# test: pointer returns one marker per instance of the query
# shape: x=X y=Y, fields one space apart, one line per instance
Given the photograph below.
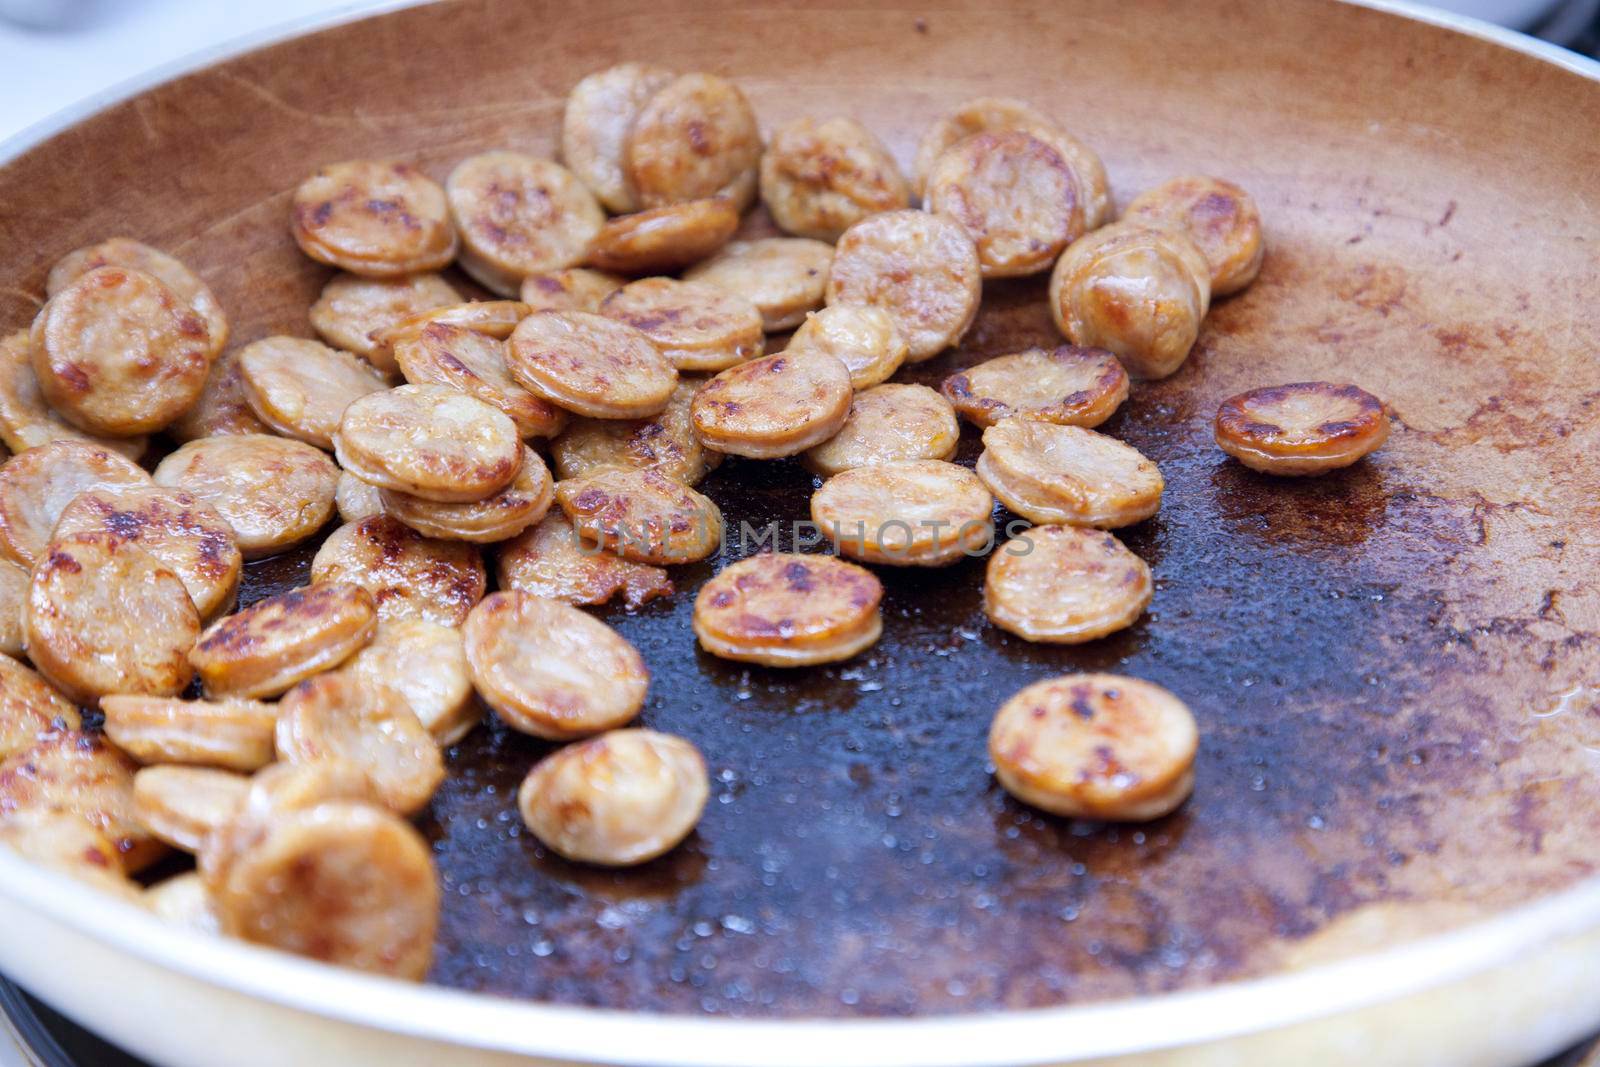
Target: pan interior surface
x=1395 y=667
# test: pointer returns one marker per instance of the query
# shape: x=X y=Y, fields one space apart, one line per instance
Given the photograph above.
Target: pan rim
x=1053 y=1034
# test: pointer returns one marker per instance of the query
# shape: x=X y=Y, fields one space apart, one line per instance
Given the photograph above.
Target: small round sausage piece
x=1219 y=217
x=496 y=518
x=430 y=441
x=300 y=388
x=921 y=513
x=276 y=642
x=474 y=363
x=665 y=443
x=133 y=255
x=820 y=178
x=231 y=734
x=784 y=277
x=37 y=485
x=991 y=114
x=221 y=407
x=889 y=424
x=1139 y=292
x=642 y=515
x=105 y=616
x=409 y=576
x=864 y=339
x=774 y=406
x=1301 y=428
x=118 y=353
x=694 y=138
x=786 y=610
x=922 y=269
x=572 y=289
x=181 y=805
x=1065 y=585
x=425 y=663
x=695 y=325
x=376 y=219
x=30 y=707
x=619 y=799
x=1014 y=195
x=82 y=775
x=1096 y=746
x=63 y=842
x=1065 y=474
x=26 y=421
x=183 y=901
x=343 y=716
x=590 y=365
x=345 y=883
x=664 y=238
x=551 y=560
x=184 y=534
x=518 y=214
x=549 y=670
x=274 y=492
x=1070 y=385
x=600 y=112
x=356 y=500
x=353 y=310
x=494 y=318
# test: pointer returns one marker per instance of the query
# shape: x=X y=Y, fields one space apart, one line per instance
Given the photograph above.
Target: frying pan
x=1395 y=667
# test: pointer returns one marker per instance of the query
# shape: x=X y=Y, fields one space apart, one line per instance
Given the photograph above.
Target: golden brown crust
x=1050 y=474
x=474 y=362
x=917 y=513
x=344 y=716
x=376 y=219
x=1219 y=217
x=231 y=734
x=694 y=138
x=888 y=424
x=788 y=610
x=774 y=406
x=1016 y=197
x=695 y=325
x=1096 y=746
x=664 y=238
x=83 y=775
x=184 y=534
x=517 y=214
x=426 y=663
x=642 y=515
x=666 y=442
x=620 y=799
x=352 y=311
x=273 y=492
x=572 y=289
x=26 y=421
x=551 y=560
x=181 y=806
x=590 y=365
x=600 y=112
x=1065 y=585
x=784 y=277
x=63 y=842
x=170 y=271
x=1068 y=384
x=1140 y=293
x=408 y=575
x=30 y=707
x=431 y=441
x=864 y=339
x=505 y=514
x=819 y=178
x=549 y=670
x=922 y=269
x=1301 y=428
x=118 y=353
x=274 y=643
x=105 y=616
x=37 y=485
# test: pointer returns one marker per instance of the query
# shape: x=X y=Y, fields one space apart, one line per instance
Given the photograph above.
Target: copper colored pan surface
x=1394 y=667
